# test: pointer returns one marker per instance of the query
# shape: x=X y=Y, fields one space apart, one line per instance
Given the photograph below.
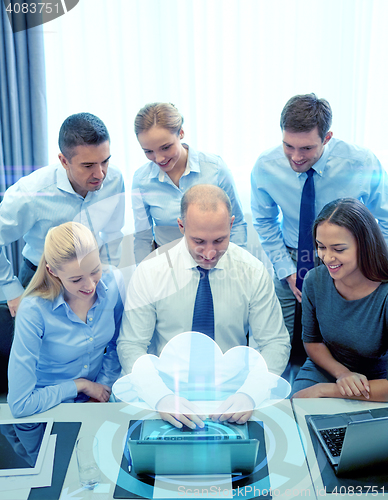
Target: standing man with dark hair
x=286 y=200
x=80 y=188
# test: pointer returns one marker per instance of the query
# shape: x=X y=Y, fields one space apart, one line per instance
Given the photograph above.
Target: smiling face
x=207 y=233
x=303 y=149
x=337 y=248
x=88 y=167
x=80 y=278
x=164 y=148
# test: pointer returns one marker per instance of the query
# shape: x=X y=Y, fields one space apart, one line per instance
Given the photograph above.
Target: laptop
x=353 y=441
x=157 y=447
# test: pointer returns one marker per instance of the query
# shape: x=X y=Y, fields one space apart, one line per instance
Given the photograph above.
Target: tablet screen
x=23 y=445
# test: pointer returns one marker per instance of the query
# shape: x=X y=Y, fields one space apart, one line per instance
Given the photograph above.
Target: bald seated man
x=162 y=295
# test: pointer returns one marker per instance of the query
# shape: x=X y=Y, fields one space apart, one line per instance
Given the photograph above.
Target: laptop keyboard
x=334 y=439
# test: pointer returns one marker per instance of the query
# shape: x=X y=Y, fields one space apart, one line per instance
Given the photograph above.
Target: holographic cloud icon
x=192 y=366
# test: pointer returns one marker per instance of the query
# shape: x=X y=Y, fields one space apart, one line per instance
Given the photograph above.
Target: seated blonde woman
x=64 y=349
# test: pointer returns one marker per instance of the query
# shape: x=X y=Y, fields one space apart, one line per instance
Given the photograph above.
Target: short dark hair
x=79 y=130
x=207 y=196
x=302 y=113
x=372 y=250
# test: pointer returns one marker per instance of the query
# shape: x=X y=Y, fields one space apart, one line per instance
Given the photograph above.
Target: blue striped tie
x=306 y=221
x=203 y=315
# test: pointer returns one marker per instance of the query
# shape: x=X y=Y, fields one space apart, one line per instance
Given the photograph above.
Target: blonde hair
x=63 y=244
x=160 y=114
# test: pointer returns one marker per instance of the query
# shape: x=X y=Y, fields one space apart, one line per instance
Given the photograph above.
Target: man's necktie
x=201 y=369
x=306 y=221
x=203 y=316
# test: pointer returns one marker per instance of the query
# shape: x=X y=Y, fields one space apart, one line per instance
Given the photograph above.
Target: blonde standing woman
x=64 y=349
x=174 y=167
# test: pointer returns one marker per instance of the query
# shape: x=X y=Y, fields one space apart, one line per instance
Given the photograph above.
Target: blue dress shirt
x=343 y=171
x=156 y=200
x=52 y=347
x=45 y=199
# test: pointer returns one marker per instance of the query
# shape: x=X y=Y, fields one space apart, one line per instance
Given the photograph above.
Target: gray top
x=355 y=331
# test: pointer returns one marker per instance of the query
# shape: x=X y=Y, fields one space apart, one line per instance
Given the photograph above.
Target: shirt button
x=91 y=339
x=90 y=319
x=85 y=366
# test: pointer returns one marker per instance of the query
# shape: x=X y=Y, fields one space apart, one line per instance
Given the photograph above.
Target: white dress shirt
x=160 y=304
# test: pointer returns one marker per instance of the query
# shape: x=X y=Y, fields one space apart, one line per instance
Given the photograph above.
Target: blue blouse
x=52 y=347
x=156 y=200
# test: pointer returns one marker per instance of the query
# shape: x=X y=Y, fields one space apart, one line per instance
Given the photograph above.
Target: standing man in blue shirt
x=79 y=188
x=339 y=170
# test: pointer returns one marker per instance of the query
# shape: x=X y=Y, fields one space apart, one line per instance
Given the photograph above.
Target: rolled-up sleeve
x=24 y=398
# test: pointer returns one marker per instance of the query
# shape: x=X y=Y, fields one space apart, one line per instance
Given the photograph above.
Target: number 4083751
x=33 y=8
x=358 y=490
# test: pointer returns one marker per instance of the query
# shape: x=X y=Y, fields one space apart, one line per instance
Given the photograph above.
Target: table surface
x=303 y=407
x=288 y=471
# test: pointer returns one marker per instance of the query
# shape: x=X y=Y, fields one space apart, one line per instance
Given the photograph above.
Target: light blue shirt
x=52 y=347
x=156 y=200
x=343 y=171
x=45 y=199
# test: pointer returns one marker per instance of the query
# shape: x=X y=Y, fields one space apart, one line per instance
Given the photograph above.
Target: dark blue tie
x=201 y=371
x=306 y=221
x=203 y=315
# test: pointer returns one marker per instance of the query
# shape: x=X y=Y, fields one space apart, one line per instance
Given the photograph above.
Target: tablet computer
x=157 y=447
x=23 y=445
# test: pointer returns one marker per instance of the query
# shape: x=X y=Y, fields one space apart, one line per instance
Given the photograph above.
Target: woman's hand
x=353 y=384
x=96 y=392
x=349 y=383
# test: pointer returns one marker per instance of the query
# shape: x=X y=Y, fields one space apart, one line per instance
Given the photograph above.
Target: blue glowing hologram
x=192 y=366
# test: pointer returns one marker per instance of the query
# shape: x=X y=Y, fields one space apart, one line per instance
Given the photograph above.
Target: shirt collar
x=193 y=159
x=100 y=291
x=191 y=166
x=63 y=182
x=320 y=165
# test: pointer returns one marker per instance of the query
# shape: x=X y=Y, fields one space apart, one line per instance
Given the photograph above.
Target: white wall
x=229 y=66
